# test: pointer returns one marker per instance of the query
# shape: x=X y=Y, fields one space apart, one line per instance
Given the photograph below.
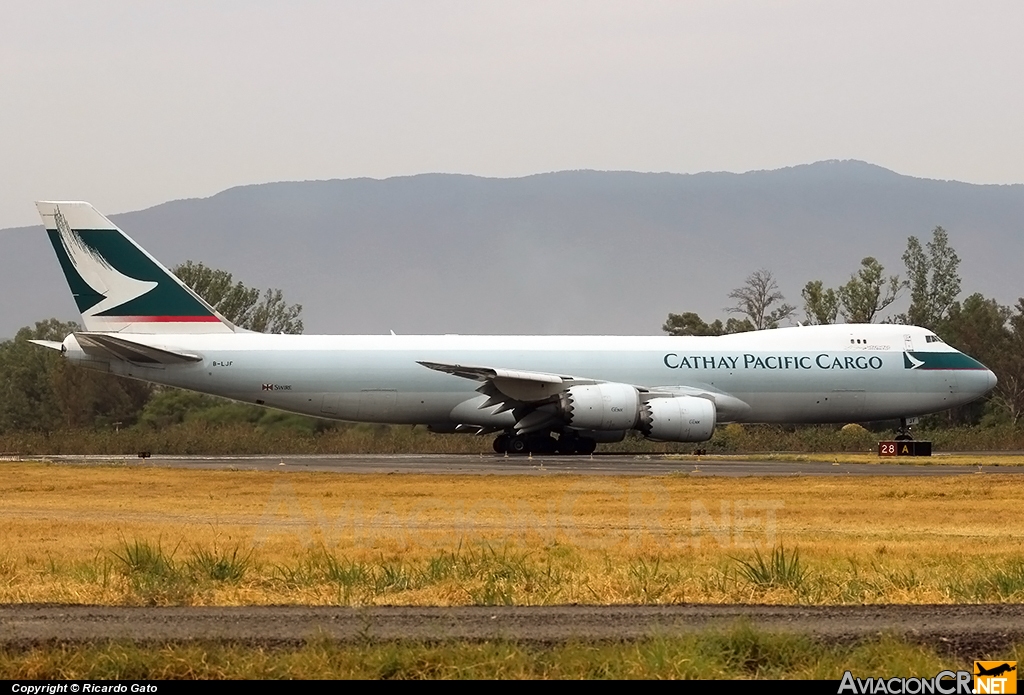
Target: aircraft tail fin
x=117 y=285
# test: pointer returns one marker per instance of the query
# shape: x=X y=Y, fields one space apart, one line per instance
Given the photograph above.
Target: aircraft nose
x=978 y=381
x=991 y=380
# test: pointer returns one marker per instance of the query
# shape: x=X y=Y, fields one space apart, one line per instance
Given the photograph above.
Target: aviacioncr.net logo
x=943 y=683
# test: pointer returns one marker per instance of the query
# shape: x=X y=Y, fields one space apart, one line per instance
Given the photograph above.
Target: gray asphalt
x=967 y=629
x=603 y=464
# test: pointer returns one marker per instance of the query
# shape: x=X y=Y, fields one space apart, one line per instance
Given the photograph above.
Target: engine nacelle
x=680 y=419
x=601 y=407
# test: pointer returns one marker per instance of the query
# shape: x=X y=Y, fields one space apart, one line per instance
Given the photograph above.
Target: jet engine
x=679 y=419
x=601 y=407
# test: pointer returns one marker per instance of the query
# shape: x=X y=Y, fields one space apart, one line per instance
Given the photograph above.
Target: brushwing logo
x=115 y=287
x=995 y=677
x=911 y=362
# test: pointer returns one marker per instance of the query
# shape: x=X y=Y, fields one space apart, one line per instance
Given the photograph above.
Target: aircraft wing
x=105 y=346
x=511 y=387
x=533 y=396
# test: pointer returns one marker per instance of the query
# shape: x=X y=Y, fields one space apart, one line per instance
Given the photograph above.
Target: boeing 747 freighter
x=536 y=393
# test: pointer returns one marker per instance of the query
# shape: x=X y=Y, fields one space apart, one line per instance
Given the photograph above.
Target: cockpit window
x=932 y=339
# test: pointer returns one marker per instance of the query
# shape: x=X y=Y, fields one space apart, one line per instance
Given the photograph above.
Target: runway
x=971 y=629
x=602 y=464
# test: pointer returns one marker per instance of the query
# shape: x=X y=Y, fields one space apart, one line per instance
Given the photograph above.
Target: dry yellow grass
x=443 y=540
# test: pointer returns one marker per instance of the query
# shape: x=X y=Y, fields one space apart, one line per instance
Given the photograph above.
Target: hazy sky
x=129 y=104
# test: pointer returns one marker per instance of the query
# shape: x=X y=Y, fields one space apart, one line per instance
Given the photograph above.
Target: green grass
x=155 y=577
x=775 y=571
x=1002 y=583
x=738 y=653
x=220 y=564
x=143 y=558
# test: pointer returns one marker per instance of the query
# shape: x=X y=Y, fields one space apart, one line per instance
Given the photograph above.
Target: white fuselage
x=811 y=374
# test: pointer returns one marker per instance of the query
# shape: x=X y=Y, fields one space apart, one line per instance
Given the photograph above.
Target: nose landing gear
x=903 y=432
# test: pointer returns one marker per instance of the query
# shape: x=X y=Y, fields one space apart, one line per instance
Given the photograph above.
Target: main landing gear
x=543 y=443
x=903 y=432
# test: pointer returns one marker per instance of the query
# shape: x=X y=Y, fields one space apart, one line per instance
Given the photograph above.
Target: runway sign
x=909 y=448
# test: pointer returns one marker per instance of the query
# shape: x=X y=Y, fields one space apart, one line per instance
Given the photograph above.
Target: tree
x=933 y=279
x=26 y=395
x=867 y=293
x=820 y=304
x=738 y=326
x=272 y=315
x=42 y=392
x=1010 y=390
x=689 y=323
x=755 y=299
x=979 y=328
x=243 y=306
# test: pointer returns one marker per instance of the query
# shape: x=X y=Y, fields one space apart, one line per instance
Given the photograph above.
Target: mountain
x=564 y=252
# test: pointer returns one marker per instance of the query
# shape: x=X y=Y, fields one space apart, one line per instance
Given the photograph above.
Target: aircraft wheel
x=586 y=445
x=542 y=444
x=501 y=444
x=518 y=445
x=566 y=445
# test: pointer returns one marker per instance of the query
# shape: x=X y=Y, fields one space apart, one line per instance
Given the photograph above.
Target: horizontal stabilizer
x=105 y=346
x=52 y=344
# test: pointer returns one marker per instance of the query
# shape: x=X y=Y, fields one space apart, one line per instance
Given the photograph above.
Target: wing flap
x=107 y=346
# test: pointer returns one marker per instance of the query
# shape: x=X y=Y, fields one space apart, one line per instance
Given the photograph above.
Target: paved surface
x=967 y=629
x=603 y=464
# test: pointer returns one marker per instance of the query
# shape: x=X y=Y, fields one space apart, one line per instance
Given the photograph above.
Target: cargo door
x=377 y=405
x=846 y=405
x=331 y=404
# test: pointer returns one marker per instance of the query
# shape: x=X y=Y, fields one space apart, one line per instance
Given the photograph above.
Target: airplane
x=994 y=671
x=143 y=322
